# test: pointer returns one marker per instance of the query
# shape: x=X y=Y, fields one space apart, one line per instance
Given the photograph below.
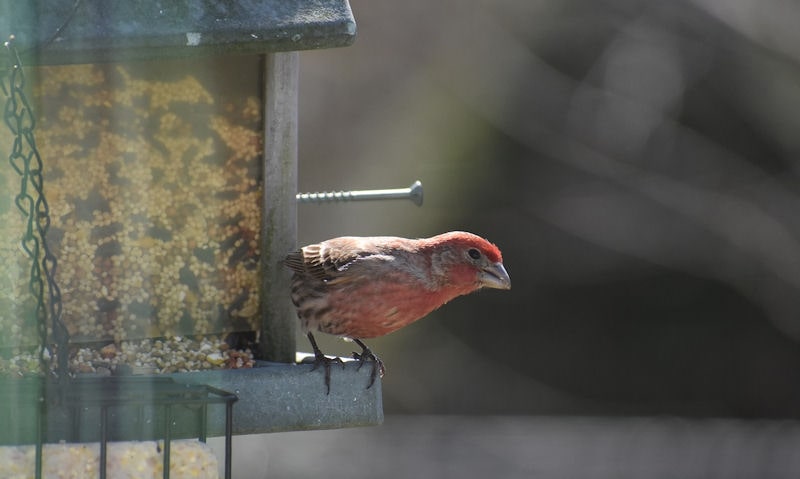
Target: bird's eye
x=474 y=253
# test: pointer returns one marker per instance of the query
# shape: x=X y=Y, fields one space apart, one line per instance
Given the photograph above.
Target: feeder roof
x=94 y=31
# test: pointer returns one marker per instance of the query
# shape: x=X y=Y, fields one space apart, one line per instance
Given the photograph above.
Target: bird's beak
x=495 y=276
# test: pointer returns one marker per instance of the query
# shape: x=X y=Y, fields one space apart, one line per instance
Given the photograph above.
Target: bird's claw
x=377 y=366
x=326 y=362
x=366 y=354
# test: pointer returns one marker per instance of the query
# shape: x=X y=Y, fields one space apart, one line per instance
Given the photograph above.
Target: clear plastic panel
x=153 y=176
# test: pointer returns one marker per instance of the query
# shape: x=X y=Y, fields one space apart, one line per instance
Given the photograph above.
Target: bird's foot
x=325 y=361
x=366 y=354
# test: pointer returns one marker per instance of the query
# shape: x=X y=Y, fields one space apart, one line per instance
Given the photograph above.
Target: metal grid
x=114 y=409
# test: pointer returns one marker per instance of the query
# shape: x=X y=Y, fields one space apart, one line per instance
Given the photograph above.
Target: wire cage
x=83 y=409
x=105 y=411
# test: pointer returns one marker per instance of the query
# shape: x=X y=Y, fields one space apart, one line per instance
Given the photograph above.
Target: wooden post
x=279 y=221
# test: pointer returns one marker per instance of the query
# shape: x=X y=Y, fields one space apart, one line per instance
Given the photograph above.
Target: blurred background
x=637 y=163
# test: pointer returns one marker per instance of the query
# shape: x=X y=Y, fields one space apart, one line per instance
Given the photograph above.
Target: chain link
x=27 y=162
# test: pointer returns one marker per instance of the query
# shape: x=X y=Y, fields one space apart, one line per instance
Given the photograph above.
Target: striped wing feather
x=320 y=264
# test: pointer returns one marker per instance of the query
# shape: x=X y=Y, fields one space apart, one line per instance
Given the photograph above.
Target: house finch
x=365 y=287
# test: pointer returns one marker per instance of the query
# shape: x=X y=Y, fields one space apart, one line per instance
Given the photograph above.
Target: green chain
x=27 y=162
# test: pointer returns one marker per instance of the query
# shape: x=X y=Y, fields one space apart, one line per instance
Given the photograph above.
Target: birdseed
x=131 y=459
x=154 y=185
x=146 y=356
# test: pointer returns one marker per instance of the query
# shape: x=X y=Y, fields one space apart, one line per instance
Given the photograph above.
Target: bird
x=366 y=287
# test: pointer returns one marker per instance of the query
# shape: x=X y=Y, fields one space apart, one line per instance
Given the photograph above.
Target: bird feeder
x=147 y=202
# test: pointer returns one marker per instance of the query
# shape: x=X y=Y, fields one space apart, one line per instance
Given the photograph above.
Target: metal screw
x=413 y=193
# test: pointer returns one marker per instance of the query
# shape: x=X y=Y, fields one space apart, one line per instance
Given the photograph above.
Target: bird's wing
x=324 y=264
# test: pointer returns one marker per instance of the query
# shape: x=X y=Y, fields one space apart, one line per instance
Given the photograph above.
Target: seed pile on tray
x=135 y=460
x=154 y=188
x=146 y=356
